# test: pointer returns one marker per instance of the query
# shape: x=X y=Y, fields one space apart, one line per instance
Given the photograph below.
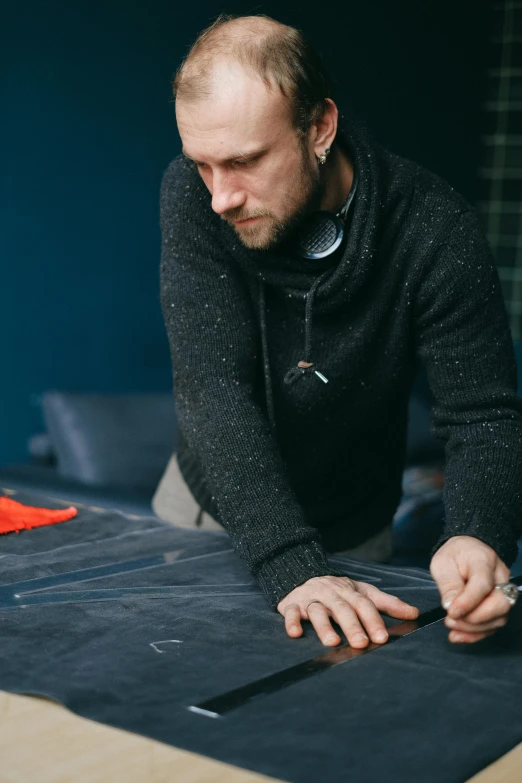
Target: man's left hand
x=466 y=571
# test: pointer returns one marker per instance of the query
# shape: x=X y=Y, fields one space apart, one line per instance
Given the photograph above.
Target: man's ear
x=325 y=129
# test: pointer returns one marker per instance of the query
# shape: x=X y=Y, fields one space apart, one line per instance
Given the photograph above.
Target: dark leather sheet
x=417 y=709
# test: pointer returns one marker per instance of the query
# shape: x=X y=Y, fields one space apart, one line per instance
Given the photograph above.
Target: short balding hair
x=276 y=52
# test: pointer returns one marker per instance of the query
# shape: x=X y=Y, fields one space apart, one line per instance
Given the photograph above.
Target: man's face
x=262 y=178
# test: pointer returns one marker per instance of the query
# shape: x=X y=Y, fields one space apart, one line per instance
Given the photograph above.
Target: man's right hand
x=353 y=605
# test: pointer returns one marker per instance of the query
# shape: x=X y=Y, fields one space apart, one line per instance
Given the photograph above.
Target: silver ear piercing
x=322 y=158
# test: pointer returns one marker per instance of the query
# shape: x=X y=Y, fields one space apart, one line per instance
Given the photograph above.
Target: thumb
x=448 y=579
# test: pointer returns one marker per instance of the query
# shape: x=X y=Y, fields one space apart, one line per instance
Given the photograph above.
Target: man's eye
x=249 y=162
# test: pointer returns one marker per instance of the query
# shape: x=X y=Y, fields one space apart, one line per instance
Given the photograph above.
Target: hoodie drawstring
x=304 y=366
x=266 y=365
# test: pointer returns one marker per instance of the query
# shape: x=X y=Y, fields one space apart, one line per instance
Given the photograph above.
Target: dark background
x=88 y=128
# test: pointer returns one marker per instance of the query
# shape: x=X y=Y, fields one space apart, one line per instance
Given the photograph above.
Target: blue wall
x=88 y=128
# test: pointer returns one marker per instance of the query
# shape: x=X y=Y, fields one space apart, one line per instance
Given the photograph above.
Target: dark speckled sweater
x=294 y=467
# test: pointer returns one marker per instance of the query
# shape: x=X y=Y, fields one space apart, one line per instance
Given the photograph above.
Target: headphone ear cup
x=322 y=232
x=319 y=235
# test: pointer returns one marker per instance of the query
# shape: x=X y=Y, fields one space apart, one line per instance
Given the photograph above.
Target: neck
x=338 y=179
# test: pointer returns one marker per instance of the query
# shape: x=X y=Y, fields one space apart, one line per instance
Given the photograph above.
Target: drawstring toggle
x=297 y=372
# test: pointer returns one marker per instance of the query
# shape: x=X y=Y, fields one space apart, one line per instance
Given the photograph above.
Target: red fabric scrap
x=15 y=516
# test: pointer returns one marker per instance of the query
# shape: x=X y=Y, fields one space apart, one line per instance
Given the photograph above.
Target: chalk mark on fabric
x=165 y=641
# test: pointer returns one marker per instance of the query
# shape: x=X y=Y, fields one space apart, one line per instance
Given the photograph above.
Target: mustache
x=237 y=214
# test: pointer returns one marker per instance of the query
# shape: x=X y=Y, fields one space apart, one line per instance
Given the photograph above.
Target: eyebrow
x=237 y=156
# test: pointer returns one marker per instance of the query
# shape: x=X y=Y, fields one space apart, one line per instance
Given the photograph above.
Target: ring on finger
x=510 y=590
x=315 y=601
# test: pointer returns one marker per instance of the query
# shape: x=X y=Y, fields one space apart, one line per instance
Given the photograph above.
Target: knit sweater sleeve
x=464 y=340
x=214 y=346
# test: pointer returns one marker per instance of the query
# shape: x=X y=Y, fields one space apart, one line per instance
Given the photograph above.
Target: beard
x=305 y=196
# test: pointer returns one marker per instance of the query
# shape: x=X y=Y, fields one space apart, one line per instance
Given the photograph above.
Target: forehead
x=240 y=114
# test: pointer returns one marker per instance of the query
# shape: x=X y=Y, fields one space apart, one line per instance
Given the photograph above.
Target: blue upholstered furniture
x=99 y=449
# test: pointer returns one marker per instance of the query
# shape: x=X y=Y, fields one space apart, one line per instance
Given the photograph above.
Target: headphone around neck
x=322 y=232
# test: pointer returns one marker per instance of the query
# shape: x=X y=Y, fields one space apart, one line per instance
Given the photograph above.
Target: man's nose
x=226 y=195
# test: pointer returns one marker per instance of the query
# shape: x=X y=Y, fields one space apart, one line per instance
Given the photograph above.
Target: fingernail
x=360 y=637
x=331 y=638
x=457 y=637
x=448 y=598
x=381 y=636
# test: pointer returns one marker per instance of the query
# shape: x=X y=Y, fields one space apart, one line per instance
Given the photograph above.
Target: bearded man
x=293 y=368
